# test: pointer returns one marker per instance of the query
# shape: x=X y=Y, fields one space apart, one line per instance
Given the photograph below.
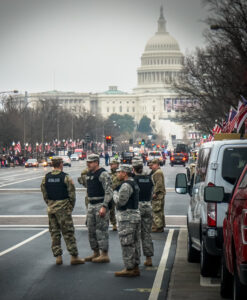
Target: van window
x=234 y=160
x=202 y=164
x=243 y=184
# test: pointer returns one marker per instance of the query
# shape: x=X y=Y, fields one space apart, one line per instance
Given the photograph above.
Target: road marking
x=23 y=242
x=35 y=216
x=3 y=227
x=21 y=181
x=161 y=269
x=31 y=190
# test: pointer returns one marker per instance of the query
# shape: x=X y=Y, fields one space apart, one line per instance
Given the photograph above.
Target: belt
x=96 y=201
x=144 y=200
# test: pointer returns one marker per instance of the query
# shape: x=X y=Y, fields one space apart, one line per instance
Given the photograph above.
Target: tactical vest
x=55 y=187
x=134 y=198
x=94 y=186
x=145 y=184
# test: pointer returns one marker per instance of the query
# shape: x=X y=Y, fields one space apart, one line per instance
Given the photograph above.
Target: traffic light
x=131 y=141
x=204 y=136
x=143 y=142
x=108 y=139
x=87 y=138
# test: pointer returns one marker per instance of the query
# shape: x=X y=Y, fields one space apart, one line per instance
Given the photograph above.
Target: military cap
x=136 y=162
x=155 y=161
x=125 y=168
x=92 y=157
x=56 y=159
x=114 y=161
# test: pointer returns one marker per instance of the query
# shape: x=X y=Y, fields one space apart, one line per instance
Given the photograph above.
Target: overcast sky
x=86 y=45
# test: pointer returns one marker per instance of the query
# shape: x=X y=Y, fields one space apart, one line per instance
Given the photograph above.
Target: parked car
x=74 y=157
x=234 y=258
x=156 y=154
x=178 y=159
x=31 y=162
x=219 y=164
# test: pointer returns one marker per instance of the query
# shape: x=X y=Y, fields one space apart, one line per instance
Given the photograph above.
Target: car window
x=202 y=164
x=243 y=183
x=154 y=154
x=234 y=161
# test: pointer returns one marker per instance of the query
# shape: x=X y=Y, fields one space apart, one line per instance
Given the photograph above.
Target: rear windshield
x=234 y=160
x=154 y=154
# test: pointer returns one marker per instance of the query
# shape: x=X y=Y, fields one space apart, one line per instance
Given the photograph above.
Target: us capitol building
x=161 y=65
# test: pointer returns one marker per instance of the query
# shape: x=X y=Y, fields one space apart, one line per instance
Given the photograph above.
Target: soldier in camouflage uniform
x=114 y=164
x=145 y=184
x=158 y=199
x=129 y=222
x=59 y=194
x=99 y=196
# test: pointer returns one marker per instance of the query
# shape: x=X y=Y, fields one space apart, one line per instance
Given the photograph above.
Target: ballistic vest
x=55 y=187
x=94 y=186
x=134 y=198
x=145 y=184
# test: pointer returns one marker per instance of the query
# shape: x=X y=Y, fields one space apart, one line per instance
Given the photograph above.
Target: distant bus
x=182 y=148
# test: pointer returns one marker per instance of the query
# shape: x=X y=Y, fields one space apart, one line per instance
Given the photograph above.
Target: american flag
x=242 y=114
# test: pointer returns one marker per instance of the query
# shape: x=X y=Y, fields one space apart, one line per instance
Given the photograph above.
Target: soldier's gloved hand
x=154 y=196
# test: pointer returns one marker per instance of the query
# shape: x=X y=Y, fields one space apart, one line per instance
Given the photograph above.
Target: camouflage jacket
x=105 y=179
x=121 y=198
x=67 y=204
x=115 y=181
x=82 y=179
x=159 y=182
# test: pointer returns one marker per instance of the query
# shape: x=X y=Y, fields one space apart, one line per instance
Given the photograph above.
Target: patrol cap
x=56 y=159
x=125 y=168
x=114 y=161
x=155 y=161
x=92 y=157
x=137 y=162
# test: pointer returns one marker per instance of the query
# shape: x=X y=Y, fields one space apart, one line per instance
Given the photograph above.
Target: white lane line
x=12 y=183
x=161 y=269
x=209 y=282
x=12 y=227
x=34 y=190
x=23 y=242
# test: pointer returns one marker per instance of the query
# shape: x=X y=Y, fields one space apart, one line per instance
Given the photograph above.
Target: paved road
x=26 y=259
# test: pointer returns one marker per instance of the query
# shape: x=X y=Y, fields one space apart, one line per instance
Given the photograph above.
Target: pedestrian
x=59 y=194
x=107 y=157
x=145 y=185
x=83 y=181
x=100 y=194
x=158 y=198
x=129 y=222
x=114 y=164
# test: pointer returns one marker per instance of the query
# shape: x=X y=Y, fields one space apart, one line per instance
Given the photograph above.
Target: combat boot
x=148 y=262
x=127 y=273
x=137 y=270
x=59 y=260
x=76 y=260
x=103 y=258
x=95 y=254
x=114 y=227
x=154 y=230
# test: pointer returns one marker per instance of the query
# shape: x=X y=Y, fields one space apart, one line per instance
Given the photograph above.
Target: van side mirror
x=181 y=186
x=214 y=194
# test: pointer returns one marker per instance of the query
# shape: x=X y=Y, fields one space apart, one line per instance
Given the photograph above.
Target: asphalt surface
x=28 y=269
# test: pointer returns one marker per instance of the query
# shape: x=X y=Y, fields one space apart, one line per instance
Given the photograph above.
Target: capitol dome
x=161 y=62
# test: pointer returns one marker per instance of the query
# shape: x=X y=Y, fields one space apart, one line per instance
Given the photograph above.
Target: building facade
x=154 y=97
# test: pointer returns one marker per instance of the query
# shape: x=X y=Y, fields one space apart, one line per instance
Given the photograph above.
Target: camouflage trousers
x=158 y=205
x=97 y=228
x=62 y=222
x=113 y=219
x=129 y=235
x=146 y=227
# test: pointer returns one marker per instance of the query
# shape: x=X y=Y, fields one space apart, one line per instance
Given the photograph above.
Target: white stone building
x=161 y=65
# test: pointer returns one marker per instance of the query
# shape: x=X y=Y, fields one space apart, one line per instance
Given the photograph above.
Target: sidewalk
x=185 y=277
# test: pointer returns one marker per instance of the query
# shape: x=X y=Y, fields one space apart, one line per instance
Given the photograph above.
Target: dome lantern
x=161 y=22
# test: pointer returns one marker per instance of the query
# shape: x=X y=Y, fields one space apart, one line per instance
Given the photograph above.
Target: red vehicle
x=234 y=258
x=82 y=154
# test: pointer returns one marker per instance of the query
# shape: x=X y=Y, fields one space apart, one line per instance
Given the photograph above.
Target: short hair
x=56 y=163
x=138 y=169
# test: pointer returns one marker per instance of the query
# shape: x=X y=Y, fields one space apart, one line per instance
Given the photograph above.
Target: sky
x=86 y=45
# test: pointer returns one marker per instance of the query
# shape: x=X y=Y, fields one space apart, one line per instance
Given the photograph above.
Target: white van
x=219 y=163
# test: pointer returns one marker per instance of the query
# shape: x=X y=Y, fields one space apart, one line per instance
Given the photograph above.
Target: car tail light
x=172 y=158
x=211 y=184
x=212 y=214
x=184 y=159
x=244 y=226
